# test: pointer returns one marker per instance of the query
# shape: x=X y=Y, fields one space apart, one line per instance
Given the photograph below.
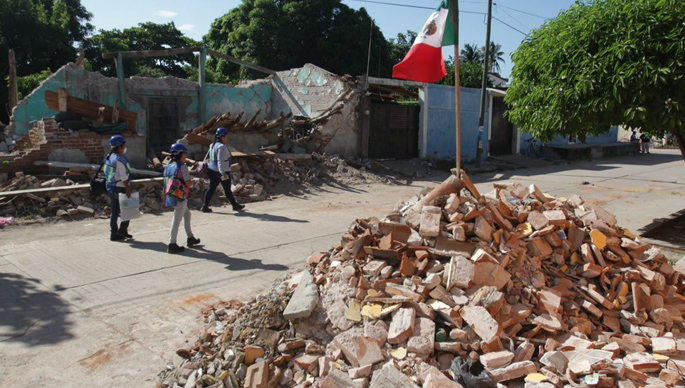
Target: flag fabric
x=424 y=62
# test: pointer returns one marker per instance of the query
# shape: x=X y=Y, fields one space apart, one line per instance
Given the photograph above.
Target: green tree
x=400 y=46
x=44 y=35
x=146 y=36
x=495 y=54
x=470 y=74
x=471 y=54
x=284 y=34
x=603 y=63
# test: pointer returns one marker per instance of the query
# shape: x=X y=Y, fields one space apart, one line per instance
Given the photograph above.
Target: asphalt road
x=78 y=310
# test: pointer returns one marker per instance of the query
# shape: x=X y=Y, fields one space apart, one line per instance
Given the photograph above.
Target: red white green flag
x=424 y=62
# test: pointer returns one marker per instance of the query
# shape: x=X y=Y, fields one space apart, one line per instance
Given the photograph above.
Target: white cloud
x=166 y=14
x=186 y=27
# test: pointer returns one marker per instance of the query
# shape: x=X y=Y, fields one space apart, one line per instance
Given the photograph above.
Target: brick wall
x=46 y=137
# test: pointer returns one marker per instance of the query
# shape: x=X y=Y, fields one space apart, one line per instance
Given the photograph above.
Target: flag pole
x=454 y=7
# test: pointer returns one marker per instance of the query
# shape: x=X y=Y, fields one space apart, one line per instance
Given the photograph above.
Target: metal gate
x=394 y=131
x=501 y=130
x=163 y=123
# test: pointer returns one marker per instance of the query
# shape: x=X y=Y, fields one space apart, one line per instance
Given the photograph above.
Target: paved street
x=78 y=310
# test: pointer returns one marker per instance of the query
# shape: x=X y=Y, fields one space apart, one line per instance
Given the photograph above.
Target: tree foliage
x=43 y=34
x=471 y=54
x=470 y=74
x=603 y=63
x=146 y=36
x=495 y=56
x=284 y=34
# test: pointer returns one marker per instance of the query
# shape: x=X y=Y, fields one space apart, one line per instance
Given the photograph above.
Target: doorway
x=163 y=123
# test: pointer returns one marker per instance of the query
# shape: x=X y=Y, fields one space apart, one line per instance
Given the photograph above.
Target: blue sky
x=195 y=17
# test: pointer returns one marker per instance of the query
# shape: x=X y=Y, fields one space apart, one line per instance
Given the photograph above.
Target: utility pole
x=368 y=60
x=483 y=92
x=13 y=91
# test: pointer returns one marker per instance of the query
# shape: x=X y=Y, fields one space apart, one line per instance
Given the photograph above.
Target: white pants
x=645 y=148
x=181 y=211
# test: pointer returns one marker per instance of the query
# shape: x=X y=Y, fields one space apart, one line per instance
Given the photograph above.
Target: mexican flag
x=424 y=61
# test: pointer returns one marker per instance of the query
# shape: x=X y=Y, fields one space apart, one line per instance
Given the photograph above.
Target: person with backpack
x=220 y=170
x=117 y=177
x=176 y=188
x=644 y=139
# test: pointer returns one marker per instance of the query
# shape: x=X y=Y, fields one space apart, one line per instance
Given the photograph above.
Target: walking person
x=220 y=170
x=645 y=143
x=118 y=177
x=178 y=169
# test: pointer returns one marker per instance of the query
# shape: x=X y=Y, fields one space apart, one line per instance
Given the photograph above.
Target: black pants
x=116 y=210
x=214 y=180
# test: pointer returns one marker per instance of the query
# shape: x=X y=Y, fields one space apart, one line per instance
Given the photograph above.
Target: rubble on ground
x=253 y=179
x=510 y=286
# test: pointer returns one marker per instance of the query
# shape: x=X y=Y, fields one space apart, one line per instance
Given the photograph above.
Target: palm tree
x=471 y=53
x=496 y=56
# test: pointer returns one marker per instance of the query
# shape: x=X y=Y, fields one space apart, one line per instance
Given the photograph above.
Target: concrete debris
x=514 y=295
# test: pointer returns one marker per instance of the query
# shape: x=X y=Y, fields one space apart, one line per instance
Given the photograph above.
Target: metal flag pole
x=484 y=87
x=454 y=8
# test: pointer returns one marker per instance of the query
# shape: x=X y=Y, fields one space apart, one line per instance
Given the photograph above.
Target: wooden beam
x=398 y=90
x=151 y=53
x=120 y=78
x=242 y=63
x=85 y=186
x=90 y=109
x=203 y=85
x=13 y=91
x=394 y=82
x=134 y=171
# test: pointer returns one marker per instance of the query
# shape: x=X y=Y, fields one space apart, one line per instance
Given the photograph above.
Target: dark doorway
x=163 y=123
x=501 y=130
x=394 y=131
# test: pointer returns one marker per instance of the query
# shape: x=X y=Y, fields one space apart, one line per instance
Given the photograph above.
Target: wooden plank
x=242 y=63
x=151 y=53
x=62 y=99
x=84 y=186
x=134 y=171
x=89 y=109
x=197 y=139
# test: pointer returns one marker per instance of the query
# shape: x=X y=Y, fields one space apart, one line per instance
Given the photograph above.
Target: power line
x=516 y=20
x=417 y=6
x=432 y=9
x=523 y=12
x=510 y=26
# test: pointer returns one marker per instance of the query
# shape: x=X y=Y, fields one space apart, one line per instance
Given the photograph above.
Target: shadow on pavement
x=25 y=307
x=199 y=252
x=268 y=217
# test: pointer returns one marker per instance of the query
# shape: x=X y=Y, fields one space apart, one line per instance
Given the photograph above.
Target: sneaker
x=238 y=207
x=192 y=241
x=124 y=234
x=174 y=248
x=206 y=209
x=117 y=237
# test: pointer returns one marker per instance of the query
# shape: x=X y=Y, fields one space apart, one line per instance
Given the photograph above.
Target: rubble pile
x=458 y=289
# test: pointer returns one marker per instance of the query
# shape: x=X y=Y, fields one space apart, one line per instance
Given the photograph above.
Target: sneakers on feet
x=238 y=207
x=192 y=241
x=206 y=209
x=124 y=234
x=174 y=248
x=117 y=237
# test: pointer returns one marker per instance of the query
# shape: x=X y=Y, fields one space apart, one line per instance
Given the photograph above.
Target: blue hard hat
x=177 y=148
x=117 y=140
x=221 y=132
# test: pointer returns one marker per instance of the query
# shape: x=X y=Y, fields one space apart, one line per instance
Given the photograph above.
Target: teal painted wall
x=95 y=87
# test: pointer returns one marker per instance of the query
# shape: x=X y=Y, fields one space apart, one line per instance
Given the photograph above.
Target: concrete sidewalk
x=78 y=310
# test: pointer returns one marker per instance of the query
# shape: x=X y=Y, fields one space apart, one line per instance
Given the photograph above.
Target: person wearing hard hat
x=118 y=177
x=219 y=170
x=178 y=171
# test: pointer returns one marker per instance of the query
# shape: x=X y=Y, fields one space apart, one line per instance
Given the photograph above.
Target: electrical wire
x=516 y=20
x=432 y=9
x=523 y=12
x=510 y=26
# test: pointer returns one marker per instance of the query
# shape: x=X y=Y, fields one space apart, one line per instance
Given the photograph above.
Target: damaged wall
x=311 y=91
x=140 y=91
